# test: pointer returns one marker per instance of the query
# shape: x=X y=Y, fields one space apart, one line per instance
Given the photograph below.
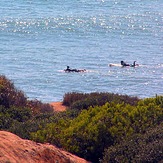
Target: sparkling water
x=38 y=39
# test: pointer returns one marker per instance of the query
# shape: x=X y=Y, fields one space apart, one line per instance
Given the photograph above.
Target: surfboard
x=119 y=65
x=115 y=64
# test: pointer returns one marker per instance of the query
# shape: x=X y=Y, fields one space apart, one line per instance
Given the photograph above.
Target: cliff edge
x=13 y=149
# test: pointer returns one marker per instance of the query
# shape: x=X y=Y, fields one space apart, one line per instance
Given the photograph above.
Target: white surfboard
x=115 y=64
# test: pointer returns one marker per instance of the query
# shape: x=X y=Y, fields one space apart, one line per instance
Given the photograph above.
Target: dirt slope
x=13 y=149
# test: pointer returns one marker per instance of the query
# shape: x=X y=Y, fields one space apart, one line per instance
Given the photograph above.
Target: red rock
x=13 y=149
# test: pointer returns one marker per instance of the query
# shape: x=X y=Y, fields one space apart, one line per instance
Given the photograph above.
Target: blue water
x=38 y=39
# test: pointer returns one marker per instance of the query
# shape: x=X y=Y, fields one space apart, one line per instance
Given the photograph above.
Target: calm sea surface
x=39 y=38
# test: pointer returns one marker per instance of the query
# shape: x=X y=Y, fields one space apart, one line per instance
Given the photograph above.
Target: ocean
x=40 y=38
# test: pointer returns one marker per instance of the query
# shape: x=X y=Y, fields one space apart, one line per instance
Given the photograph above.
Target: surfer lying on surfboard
x=73 y=70
x=123 y=64
x=130 y=65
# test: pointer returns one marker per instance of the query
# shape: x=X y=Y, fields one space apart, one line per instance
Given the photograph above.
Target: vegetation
x=80 y=101
x=97 y=126
x=83 y=101
x=138 y=148
x=17 y=113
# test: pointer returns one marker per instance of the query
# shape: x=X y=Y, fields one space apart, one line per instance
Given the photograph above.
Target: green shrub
x=159 y=100
x=33 y=124
x=81 y=101
x=51 y=133
x=138 y=148
x=39 y=107
x=70 y=98
x=19 y=115
x=5 y=121
x=99 y=127
x=9 y=95
x=9 y=115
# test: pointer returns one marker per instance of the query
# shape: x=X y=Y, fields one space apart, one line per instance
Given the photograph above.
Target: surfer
x=73 y=70
x=67 y=69
x=130 y=65
x=134 y=64
x=124 y=64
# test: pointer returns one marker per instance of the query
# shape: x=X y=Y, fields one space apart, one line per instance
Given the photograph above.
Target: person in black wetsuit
x=130 y=65
x=73 y=70
x=124 y=64
x=67 y=69
x=134 y=64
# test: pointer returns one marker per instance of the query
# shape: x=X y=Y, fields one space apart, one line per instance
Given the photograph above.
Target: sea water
x=38 y=39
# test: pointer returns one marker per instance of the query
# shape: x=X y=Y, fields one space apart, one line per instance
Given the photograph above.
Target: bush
x=5 y=121
x=31 y=125
x=99 y=127
x=139 y=148
x=81 y=101
x=70 y=98
x=159 y=101
x=39 y=107
x=19 y=115
x=9 y=95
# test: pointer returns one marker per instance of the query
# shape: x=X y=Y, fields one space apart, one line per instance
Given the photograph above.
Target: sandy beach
x=57 y=106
